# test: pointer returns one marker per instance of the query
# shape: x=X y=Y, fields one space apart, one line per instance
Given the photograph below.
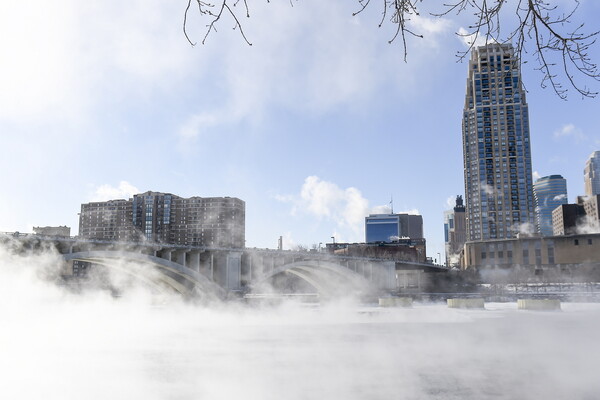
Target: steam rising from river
x=59 y=345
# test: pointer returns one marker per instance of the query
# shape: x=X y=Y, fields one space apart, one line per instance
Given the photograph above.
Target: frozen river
x=60 y=346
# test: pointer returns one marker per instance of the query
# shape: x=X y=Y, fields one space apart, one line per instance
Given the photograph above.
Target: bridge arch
x=154 y=270
x=328 y=278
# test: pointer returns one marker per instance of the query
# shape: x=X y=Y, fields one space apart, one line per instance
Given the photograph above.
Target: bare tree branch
x=205 y=9
x=557 y=50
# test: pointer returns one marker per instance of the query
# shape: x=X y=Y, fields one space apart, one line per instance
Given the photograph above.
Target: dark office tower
x=496 y=146
x=549 y=192
x=411 y=226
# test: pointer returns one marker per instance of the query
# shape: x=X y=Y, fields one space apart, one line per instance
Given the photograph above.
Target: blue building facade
x=388 y=228
x=382 y=228
x=496 y=146
x=549 y=192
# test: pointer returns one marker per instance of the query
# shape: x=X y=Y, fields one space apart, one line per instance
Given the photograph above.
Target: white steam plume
x=63 y=346
x=587 y=225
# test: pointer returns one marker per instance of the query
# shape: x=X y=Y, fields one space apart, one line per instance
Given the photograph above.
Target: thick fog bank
x=56 y=345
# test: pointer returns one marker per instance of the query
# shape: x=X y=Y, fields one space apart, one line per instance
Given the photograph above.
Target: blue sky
x=316 y=125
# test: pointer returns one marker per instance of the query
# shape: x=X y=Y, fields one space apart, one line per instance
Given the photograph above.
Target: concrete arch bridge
x=219 y=272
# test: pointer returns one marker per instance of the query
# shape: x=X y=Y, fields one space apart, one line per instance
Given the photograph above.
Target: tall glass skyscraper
x=549 y=192
x=591 y=174
x=496 y=146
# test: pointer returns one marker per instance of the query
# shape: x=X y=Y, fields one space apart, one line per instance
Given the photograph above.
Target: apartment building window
x=550 y=255
x=525 y=256
x=538 y=256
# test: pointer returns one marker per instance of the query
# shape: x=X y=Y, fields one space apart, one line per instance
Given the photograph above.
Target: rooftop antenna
x=392 y=203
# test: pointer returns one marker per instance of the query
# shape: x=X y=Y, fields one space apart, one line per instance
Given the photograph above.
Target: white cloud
x=344 y=208
x=382 y=209
x=284 y=198
x=471 y=39
x=312 y=72
x=570 y=131
x=37 y=68
x=431 y=26
x=124 y=190
x=342 y=63
x=62 y=59
x=536 y=176
x=560 y=197
x=196 y=125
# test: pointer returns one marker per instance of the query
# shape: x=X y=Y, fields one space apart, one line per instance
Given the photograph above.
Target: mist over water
x=58 y=345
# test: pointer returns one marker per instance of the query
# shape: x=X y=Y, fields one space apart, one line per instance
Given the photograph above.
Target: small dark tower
x=459 y=207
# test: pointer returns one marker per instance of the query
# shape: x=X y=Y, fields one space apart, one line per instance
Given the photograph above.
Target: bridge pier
x=251 y=266
x=206 y=265
x=193 y=260
x=272 y=264
x=165 y=254
x=355 y=266
x=227 y=269
x=384 y=275
x=179 y=257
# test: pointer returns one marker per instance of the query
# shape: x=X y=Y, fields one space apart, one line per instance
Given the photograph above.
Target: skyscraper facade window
x=549 y=192
x=496 y=146
x=591 y=174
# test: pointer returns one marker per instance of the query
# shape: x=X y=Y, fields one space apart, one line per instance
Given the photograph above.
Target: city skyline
x=184 y=203
x=313 y=140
